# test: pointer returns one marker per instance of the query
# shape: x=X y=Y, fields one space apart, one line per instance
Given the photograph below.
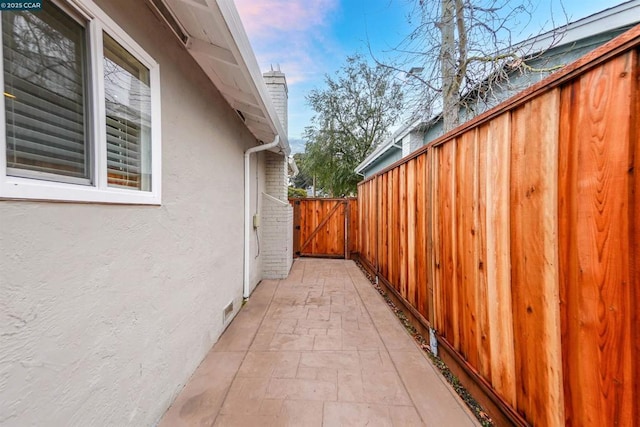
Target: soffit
x=219 y=44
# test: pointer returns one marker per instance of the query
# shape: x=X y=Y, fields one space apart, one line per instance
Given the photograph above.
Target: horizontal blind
x=44 y=73
x=128 y=118
x=123 y=150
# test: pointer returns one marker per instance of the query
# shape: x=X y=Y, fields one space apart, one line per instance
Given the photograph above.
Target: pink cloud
x=262 y=17
x=289 y=33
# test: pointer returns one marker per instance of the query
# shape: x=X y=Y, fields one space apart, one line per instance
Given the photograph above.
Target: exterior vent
x=163 y=11
x=226 y=313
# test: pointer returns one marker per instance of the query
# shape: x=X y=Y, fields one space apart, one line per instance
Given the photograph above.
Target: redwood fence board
x=483 y=336
x=535 y=283
x=498 y=261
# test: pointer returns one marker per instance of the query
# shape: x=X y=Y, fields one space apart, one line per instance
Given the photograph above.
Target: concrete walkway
x=320 y=348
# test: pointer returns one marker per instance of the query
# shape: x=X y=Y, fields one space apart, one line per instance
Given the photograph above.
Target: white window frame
x=98 y=191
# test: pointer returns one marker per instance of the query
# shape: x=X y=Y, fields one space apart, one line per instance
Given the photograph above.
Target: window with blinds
x=44 y=62
x=128 y=110
x=81 y=108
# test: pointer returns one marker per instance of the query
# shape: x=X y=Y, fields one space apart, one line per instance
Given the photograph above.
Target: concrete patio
x=320 y=348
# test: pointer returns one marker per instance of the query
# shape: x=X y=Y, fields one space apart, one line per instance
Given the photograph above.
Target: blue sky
x=310 y=38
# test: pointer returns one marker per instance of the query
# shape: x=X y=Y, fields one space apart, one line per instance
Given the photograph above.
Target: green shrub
x=297 y=193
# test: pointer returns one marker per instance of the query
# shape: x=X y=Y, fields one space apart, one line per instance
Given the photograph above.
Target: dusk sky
x=310 y=38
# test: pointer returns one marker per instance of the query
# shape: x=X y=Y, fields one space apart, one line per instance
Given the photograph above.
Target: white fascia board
x=239 y=42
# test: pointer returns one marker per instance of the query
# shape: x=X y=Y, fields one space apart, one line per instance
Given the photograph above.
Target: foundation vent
x=226 y=313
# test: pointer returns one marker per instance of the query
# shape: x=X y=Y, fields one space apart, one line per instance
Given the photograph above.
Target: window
x=80 y=118
x=128 y=114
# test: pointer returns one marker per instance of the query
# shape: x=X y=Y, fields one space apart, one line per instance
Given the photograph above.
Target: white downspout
x=247 y=208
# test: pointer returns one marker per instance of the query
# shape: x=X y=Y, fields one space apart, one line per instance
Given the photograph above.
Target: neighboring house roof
x=394 y=141
x=605 y=21
x=624 y=14
x=213 y=34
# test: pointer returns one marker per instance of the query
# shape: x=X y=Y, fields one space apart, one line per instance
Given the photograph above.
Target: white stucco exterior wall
x=106 y=310
x=257 y=240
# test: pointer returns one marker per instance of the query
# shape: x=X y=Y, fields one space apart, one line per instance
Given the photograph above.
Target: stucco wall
x=257 y=186
x=106 y=310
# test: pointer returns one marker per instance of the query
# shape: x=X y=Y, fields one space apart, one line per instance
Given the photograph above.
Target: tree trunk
x=450 y=85
x=314 y=185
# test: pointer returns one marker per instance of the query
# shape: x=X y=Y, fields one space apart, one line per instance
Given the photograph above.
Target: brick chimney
x=277 y=213
x=277 y=86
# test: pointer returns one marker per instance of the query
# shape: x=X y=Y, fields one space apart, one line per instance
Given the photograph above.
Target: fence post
x=347 y=213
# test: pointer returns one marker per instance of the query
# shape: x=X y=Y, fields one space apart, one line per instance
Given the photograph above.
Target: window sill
x=29 y=189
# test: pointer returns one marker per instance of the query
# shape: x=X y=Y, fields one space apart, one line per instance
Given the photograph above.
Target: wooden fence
x=516 y=238
x=325 y=227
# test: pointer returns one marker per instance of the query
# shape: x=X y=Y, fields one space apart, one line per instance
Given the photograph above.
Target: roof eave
x=219 y=44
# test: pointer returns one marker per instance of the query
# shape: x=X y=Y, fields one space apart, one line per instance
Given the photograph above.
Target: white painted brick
x=277 y=236
x=277 y=218
x=276 y=83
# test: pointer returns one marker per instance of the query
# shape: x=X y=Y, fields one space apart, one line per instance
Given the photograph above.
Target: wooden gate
x=325 y=227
